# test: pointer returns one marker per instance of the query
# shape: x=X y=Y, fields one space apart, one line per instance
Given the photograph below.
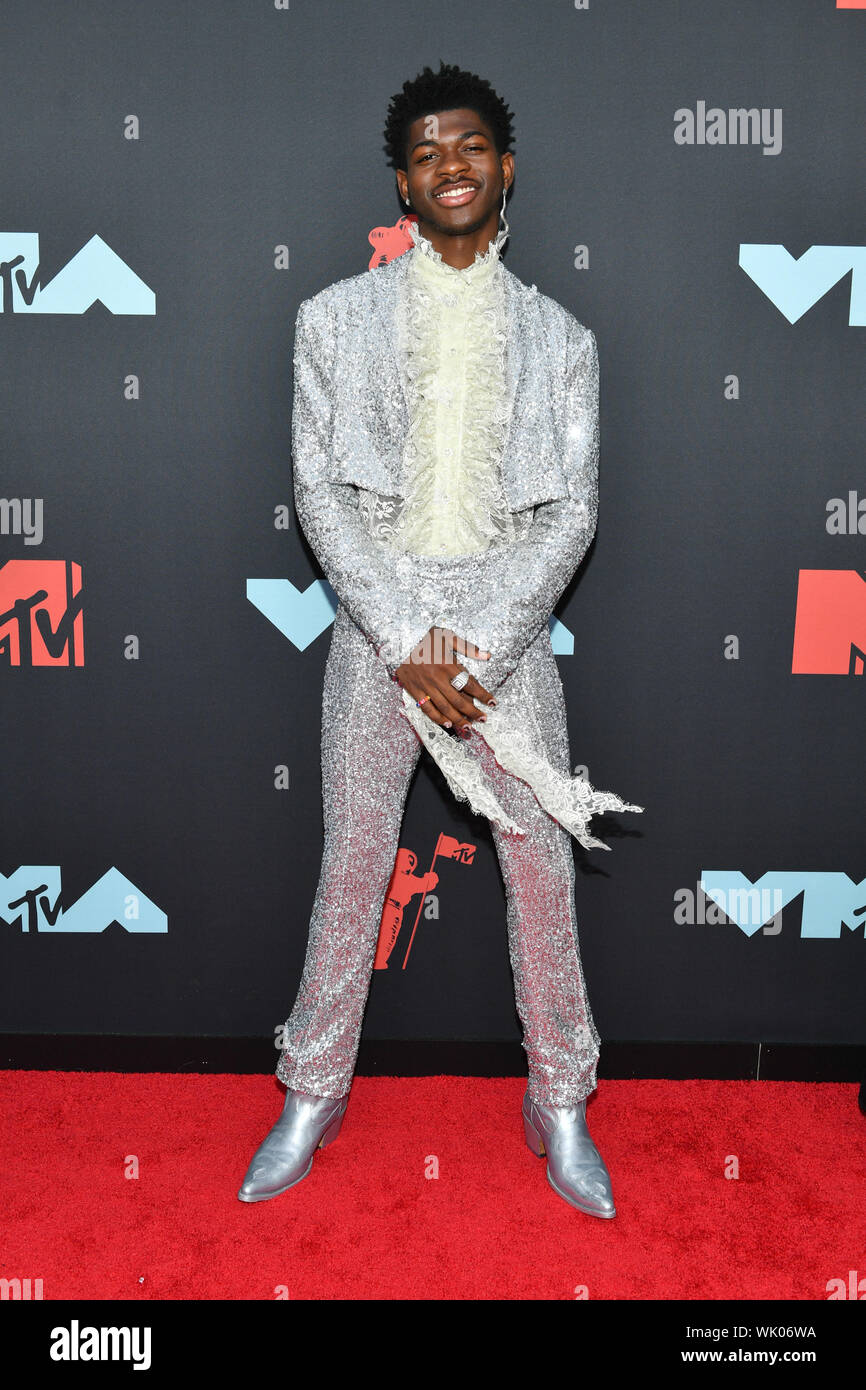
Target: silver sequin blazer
x=349 y=426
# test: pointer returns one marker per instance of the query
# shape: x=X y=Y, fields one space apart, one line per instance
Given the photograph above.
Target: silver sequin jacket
x=349 y=426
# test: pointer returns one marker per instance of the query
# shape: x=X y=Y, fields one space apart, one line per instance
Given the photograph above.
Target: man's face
x=449 y=151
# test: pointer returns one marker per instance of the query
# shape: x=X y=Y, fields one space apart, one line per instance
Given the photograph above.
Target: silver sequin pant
x=369 y=753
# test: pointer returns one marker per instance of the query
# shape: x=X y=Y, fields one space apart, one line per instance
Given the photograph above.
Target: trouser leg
x=369 y=752
x=559 y=1033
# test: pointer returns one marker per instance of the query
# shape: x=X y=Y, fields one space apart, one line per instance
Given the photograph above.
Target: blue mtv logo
x=94 y=273
x=830 y=900
x=303 y=615
x=796 y=284
x=31 y=898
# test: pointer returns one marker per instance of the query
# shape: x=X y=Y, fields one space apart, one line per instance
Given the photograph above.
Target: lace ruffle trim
x=452 y=340
x=572 y=801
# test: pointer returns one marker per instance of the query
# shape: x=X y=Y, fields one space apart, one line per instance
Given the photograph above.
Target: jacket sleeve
x=389 y=598
x=520 y=586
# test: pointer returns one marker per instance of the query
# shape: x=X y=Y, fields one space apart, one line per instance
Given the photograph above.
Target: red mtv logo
x=390 y=242
x=830 y=628
x=41 y=623
x=404 y=885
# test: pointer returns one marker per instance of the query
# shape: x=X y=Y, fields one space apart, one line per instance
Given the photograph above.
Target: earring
x=503 y=233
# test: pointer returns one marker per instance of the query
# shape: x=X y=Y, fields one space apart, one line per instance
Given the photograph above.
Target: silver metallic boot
x=285 y=1155
x=575 y=1168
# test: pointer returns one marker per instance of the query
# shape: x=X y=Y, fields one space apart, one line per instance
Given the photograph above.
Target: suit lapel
x=515 y=382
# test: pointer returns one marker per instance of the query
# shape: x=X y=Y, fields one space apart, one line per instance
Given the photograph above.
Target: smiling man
x=445 y=444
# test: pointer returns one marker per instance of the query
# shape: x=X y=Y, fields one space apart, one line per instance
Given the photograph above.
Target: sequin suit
x=372 y=429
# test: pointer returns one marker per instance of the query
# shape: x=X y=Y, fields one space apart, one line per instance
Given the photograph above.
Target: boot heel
x=533 y=1138
x=332 y=1131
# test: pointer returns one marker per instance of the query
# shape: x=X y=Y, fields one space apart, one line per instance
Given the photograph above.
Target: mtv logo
x=300 y=616
x=31 y=898
x=390 y=242
x=94 y=273
x=830 y=624
x=303 y=616
x=41 y=622
x=796 y=284
x=830 y=900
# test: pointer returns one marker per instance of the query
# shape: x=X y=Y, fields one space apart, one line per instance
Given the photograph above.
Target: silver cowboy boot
x=285 y=1155
x=575 y=1168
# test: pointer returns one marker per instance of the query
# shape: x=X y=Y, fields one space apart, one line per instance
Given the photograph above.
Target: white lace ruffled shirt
x=453 y=345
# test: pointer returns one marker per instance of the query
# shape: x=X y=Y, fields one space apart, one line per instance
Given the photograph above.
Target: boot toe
x=270 y=1178
x=589 y=1192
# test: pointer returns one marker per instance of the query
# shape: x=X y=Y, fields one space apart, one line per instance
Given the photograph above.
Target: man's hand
x=429 y=670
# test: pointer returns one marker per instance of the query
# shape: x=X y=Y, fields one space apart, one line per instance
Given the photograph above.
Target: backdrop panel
x=176 y=179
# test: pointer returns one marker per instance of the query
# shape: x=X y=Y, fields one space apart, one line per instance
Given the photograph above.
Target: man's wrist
x=399 y=647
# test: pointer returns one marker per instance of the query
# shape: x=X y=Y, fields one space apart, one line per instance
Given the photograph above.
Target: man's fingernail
x=447 y=724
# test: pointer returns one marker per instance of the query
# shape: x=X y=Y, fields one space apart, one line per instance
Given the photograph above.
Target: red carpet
x=367 y=1223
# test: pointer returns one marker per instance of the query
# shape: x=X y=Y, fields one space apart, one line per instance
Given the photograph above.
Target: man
x=445 y=444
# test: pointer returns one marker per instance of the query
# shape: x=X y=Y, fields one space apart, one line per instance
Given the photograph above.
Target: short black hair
x=445 y=90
